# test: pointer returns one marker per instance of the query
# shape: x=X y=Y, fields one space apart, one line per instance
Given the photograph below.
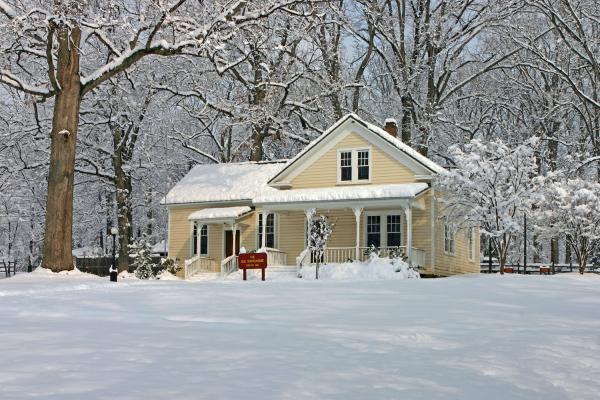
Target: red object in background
x=248 y=261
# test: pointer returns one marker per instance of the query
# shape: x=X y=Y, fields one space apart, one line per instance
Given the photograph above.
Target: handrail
x=197 y=264
x=275 y=256
x=229 y=265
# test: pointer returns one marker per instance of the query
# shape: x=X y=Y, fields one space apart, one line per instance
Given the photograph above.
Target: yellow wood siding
x=457 y=263
x=292 y=230
x=323 y=171
x=290 y=235
x=180 y=235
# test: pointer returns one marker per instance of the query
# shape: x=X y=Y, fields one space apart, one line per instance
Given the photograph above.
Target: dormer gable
x=343 y=151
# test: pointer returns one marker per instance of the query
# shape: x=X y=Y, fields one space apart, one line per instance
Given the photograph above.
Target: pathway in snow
x=80 y=337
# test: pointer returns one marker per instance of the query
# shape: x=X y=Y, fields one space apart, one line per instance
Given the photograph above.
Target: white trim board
x=348 y=125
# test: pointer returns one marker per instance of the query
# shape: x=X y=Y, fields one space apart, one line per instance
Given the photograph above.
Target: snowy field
x=515 y=337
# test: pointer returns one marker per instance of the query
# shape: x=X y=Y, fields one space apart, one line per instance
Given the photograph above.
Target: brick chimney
x=391 y=126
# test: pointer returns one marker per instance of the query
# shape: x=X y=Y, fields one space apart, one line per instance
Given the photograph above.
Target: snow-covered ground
x=488 y=337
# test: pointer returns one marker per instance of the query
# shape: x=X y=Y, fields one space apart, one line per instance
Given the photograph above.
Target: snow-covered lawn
x=487 y=337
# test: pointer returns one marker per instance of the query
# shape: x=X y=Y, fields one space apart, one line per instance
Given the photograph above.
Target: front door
x=229 y=243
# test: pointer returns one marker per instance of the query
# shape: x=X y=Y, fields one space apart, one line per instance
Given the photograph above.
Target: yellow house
x=374 y=188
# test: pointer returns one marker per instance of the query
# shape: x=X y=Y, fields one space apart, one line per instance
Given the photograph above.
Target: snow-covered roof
x=397 y=143
x=395 y=191
x=224 y=182
x=433 y=166
x=219 y=213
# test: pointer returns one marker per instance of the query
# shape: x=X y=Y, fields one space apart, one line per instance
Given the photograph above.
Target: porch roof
x=343 y=193
x=219 y=214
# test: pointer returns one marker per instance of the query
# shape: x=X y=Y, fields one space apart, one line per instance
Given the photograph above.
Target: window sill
x=350 y=183
x=449 y=254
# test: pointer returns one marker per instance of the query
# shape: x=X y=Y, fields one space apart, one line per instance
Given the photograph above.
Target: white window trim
x=198 y=239
x=354 y=162
x=276 y=227
x=207 y=240
x=383 y=229
x=448 y=228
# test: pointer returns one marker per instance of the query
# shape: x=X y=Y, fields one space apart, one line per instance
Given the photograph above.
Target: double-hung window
x=346 y=166
x=384 y=230
x=393 y=230
x=354 y=165
x=363 y=165
x=373 y=230
x=270 y=230
x=448 y=239
x=199 y=239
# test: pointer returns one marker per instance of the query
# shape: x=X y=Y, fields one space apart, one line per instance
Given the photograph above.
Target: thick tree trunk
x=406 y=118
x=123 y=187
x=59 y=207
x=256 y=153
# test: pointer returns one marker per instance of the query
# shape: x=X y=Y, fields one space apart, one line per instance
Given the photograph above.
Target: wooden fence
x=100 y=265
x=534 y=268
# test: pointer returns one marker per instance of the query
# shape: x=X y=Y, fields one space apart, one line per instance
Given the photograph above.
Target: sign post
x=253 y=261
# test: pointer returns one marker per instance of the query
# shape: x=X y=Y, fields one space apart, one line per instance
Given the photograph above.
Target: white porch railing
x=275 y=256
x=199 y=264
x=335 y=255
x=229 y=265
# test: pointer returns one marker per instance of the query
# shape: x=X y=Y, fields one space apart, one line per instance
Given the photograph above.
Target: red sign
x=252 y=260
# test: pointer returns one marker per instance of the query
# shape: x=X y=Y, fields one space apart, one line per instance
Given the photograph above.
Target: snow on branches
x=320 y=231
x=571 y=210
x=492 y=187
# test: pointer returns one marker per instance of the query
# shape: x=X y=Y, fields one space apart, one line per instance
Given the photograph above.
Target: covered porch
x=215 y=235
x=362 y=216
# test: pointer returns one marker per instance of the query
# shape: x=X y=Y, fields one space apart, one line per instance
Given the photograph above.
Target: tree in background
x=570 y=209
x=492 y=186
x=65 y=52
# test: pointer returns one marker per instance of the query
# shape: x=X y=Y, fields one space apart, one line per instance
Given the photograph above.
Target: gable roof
x=223 y=183
x=380 y=133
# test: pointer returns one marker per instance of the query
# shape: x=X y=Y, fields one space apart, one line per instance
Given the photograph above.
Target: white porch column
x=408 y=212
x=265 y=214
x=233 y=236
x=357 y=213
x=309 y=213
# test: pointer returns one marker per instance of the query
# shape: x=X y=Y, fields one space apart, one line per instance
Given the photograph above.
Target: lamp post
x=113 y=269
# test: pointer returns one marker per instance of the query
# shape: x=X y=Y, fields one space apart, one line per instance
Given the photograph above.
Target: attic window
x=354 y=165
x=346 y=166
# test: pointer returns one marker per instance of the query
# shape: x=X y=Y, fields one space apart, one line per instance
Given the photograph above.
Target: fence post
x=524 y=244
x=489 y=255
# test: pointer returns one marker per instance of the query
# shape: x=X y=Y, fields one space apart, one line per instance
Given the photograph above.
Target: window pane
x=363 y=165
x=195 y=240
x=270 y=242
x=346 y=166
x=271 y=230
x=373 y=230
x=204 y=240
x=393 y=230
